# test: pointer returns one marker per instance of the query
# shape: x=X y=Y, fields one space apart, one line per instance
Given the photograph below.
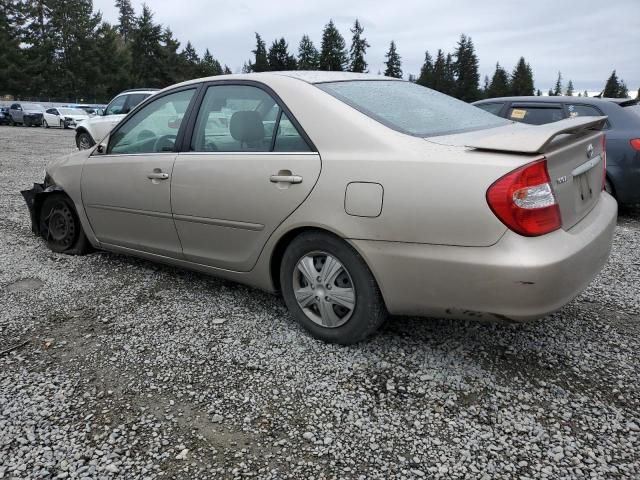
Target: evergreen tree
x=308 y=56
x=538 y=93
x=412 y=78
x=550 y=93
x=114 y=61
x=74 y=25
x=585 y=94
x=449 y=75
x=261 y=63
x=11 y=55
x=146 y=51
x=426 y=72
x=209 y=66
x=227 y=70
x=172 y=62
x=190 y=62
x=279 y=58
x=557 y=91
x=466 y=70
x=499 y=86
x=623 y=91
x=126 y=18
x=333 y=55
x=393 y=62
x=38 y=47
x=612 y=86
x=569 y=91
x=358 y=49
x=522 y=79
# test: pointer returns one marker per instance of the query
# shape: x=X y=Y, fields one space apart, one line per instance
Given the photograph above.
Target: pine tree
x=550 y=93
x=449 y=76
x=209 y=66
x=612 y=86
x=114 y=61
x=126 y=18
x=499 y=86
x=11 y=55
x=261 y=64
x=308 y=56
x=426 y=72
x=190 y=62
x=538 y=93
x=623 y=91
x=393 y=62
x=38 y=47
x=172 y=63
x=333 y=55
x=466 y=70
x=569 y=91
x=74 y=25
x=557 y=91
x=146 y=51
x=279 y=58
x=227 y=70
x=522 y=79
x=358 y=49
x=585 y=94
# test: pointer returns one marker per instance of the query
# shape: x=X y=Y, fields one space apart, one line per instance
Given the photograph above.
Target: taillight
x=635 y=143
x=524 y=201
x=604 y=162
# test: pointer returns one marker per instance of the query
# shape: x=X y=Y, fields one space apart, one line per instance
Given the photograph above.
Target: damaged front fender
x=34 y=198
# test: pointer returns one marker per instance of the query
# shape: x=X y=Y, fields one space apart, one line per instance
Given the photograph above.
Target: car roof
x=137 y=90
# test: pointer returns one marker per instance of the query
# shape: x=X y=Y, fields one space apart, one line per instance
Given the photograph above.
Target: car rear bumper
x=518 y=278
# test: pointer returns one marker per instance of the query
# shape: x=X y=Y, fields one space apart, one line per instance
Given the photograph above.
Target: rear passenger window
x=535 y=115
x=288 y=138
x=583 y=111
x=491 y=107
x=241 y=118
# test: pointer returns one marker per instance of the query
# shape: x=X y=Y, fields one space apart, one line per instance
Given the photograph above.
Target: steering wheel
x=165 y=143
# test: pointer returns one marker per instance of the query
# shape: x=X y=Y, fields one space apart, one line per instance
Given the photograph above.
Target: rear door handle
x=285 y=179
x=157 y=176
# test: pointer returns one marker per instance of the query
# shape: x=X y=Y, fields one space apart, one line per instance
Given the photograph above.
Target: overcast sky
x=585 y=40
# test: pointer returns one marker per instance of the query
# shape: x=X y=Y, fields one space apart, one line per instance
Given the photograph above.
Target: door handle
x=157 y=176
x=285 y=179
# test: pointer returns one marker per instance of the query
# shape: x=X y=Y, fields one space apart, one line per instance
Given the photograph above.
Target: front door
x=127 y=190
x=247 y=169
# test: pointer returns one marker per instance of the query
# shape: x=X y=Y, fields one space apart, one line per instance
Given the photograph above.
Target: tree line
x=64 y=49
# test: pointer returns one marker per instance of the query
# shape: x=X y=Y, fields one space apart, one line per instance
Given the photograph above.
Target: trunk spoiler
x=535 y=138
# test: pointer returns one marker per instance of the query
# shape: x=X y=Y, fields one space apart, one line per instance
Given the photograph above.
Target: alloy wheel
x=324 y=289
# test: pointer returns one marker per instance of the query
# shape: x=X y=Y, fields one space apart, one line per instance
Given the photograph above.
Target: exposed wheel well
x=281 y=246
x=39 y=200
x=613 y=187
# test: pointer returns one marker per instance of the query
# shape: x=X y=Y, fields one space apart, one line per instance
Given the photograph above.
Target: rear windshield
x=411 y=108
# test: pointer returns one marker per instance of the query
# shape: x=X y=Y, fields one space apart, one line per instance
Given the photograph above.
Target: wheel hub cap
x=324 y=290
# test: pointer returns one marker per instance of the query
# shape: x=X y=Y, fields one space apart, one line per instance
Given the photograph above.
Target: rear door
x=248 y=166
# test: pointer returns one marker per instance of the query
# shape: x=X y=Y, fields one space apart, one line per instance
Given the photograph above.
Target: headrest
x=246 y=126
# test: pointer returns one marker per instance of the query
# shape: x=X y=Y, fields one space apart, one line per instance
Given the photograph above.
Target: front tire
x=60 y=226
x=45 y=124
x=84 y=141
x=26 y=122
x=329 y=289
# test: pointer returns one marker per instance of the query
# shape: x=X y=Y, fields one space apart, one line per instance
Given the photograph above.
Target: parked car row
x=622 y=131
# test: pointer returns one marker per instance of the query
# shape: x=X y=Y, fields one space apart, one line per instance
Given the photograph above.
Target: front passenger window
x=116 y=107
x=154 y=128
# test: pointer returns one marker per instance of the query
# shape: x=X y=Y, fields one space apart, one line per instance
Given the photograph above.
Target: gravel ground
x=127 y=369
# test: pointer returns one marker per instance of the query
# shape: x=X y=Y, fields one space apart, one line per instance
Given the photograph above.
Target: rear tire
x=330 y=290
x=60 y=226
x=84 y=141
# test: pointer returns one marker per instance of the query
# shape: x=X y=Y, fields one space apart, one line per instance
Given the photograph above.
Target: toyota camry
x=355 y=196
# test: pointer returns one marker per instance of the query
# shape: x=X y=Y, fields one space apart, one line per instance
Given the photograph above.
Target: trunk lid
x=573 y=148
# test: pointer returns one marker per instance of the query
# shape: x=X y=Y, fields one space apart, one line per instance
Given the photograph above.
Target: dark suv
x=623 y=131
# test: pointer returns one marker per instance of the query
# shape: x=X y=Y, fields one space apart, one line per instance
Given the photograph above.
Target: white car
x=63 y=117
x=93 y=129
